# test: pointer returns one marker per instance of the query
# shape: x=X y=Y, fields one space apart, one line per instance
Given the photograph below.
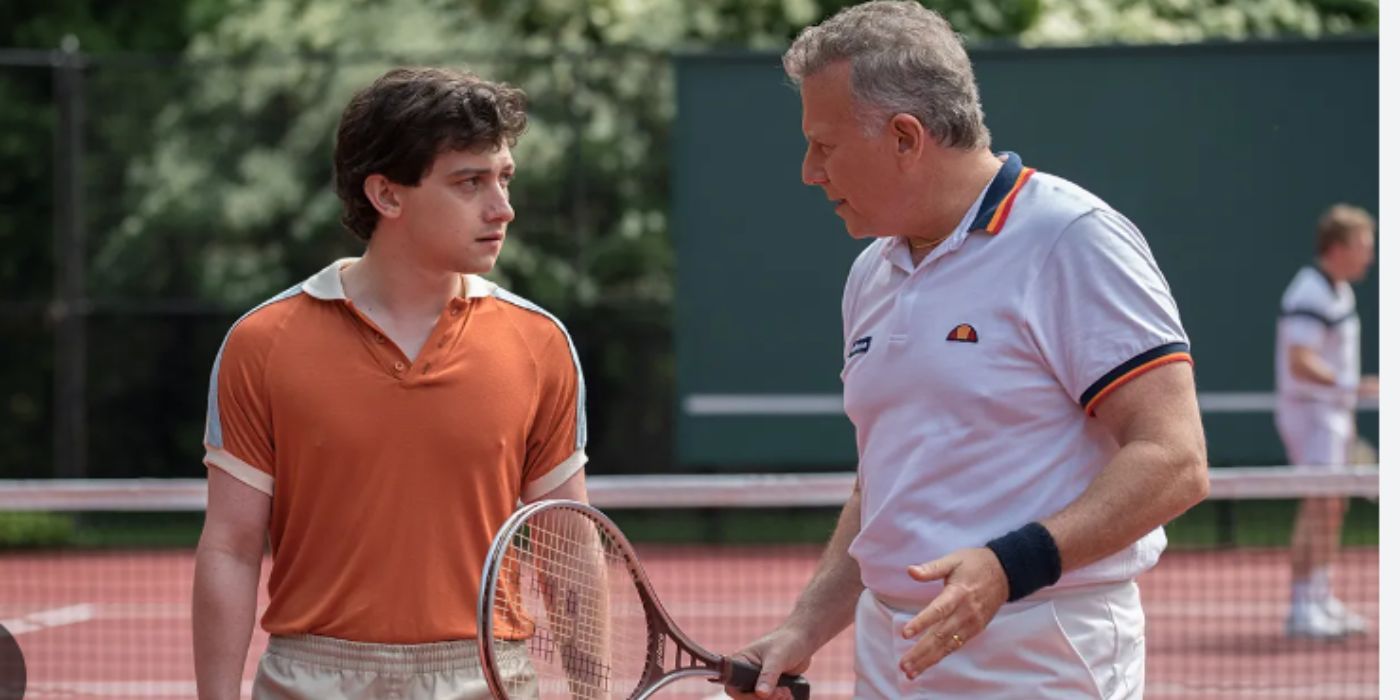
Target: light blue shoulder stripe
x=581 y=430
x=213 y=429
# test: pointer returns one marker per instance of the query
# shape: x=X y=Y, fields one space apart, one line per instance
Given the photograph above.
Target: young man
x=379 y=421
x=1317 y=369
x=1019 y=381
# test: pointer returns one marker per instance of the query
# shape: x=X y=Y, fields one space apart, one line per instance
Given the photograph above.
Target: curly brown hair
x=398 y=125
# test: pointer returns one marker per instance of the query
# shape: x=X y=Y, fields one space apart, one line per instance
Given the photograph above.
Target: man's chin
x=852 y=231
x=476 y=267
x=858 y=234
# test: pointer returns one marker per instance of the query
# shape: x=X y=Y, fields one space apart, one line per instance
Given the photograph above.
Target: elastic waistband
x=380 y=658
x=1040 y=596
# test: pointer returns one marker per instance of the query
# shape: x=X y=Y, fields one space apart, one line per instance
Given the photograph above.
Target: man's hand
x=827 y=606
x=974 y=589
x=781 y=651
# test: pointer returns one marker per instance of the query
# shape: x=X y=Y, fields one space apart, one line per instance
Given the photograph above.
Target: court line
x=47 y=619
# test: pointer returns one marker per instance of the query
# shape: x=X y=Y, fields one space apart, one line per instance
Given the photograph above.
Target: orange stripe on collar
x=1004 y=210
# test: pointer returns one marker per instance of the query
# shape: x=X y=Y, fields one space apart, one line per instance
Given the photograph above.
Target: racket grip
x=743 y=676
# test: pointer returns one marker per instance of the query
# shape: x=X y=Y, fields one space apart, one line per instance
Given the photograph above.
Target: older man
x=1020 y=384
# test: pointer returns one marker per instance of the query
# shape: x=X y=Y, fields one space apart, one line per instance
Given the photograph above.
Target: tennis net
x=95 y=579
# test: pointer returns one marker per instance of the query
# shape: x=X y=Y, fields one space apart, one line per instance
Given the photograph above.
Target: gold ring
x=957 y=640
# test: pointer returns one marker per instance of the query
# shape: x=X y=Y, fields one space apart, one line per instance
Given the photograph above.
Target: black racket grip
x=743 y=676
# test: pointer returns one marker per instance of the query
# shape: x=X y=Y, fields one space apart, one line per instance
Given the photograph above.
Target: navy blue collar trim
x=997 y=192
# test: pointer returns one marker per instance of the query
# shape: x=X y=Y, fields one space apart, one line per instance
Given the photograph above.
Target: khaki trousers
x=321 y=668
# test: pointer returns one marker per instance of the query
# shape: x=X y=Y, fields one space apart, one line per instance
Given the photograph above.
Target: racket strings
x=566 y=594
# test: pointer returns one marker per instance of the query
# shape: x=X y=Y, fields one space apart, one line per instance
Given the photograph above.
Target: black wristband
x=1030 y=558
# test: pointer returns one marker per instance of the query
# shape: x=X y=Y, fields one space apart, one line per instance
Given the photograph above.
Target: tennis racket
x=566 y=611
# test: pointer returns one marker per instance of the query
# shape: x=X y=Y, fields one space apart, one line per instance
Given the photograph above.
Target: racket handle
x=743 y=676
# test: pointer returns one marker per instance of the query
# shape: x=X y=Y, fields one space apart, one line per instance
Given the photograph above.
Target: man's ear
x=382 y=195
x=910 y=136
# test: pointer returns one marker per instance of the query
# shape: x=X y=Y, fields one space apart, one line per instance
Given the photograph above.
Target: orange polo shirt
x=389 y=476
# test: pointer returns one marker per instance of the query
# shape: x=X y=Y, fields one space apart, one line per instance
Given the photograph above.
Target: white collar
x=326 y=284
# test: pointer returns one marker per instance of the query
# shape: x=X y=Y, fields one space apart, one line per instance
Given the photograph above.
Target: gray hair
x=905 y=58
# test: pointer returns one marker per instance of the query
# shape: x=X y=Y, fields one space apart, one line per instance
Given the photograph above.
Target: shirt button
x=456 y=311
x=398 y=366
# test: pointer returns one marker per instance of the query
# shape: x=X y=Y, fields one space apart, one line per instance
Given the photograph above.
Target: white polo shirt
x=972 y=378
x=1319 y=314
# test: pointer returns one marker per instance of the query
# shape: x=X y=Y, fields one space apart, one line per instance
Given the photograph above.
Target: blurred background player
x=1318 y=374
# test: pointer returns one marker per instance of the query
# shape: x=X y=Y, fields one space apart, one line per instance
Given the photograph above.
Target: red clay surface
x=118 y=625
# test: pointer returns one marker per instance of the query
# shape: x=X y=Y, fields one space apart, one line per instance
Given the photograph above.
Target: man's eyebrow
x=461 y=172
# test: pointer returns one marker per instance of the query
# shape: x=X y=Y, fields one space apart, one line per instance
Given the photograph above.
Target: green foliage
x=150 y=25
x=701 y=24
x=34 y=530
x=1178 y=21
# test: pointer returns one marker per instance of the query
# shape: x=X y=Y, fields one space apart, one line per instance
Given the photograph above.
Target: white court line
x=45 y=619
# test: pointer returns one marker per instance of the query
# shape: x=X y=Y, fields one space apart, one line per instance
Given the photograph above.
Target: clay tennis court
x=117 y=625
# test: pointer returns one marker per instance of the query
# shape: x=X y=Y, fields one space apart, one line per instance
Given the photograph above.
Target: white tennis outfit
x=1317 y=421
x=971 y=380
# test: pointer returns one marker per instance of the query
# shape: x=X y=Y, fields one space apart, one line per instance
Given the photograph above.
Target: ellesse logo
x=963 y=333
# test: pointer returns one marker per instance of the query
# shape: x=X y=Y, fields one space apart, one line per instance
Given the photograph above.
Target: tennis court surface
x=114 y=621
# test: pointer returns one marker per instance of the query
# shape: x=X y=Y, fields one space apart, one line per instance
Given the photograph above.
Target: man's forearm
x=827 y=605
x=1305 y=365
x=225 y=605
x=1144 y=486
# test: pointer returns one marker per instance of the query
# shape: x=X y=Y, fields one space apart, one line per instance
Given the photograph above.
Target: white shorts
x=1081 y=643
x=1314 y=433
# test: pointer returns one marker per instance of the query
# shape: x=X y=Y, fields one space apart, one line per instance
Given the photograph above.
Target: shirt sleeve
x=238 y=426
x=1100 y=310
x=1300 y=329
x=1302 y=316
x=555 y=447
